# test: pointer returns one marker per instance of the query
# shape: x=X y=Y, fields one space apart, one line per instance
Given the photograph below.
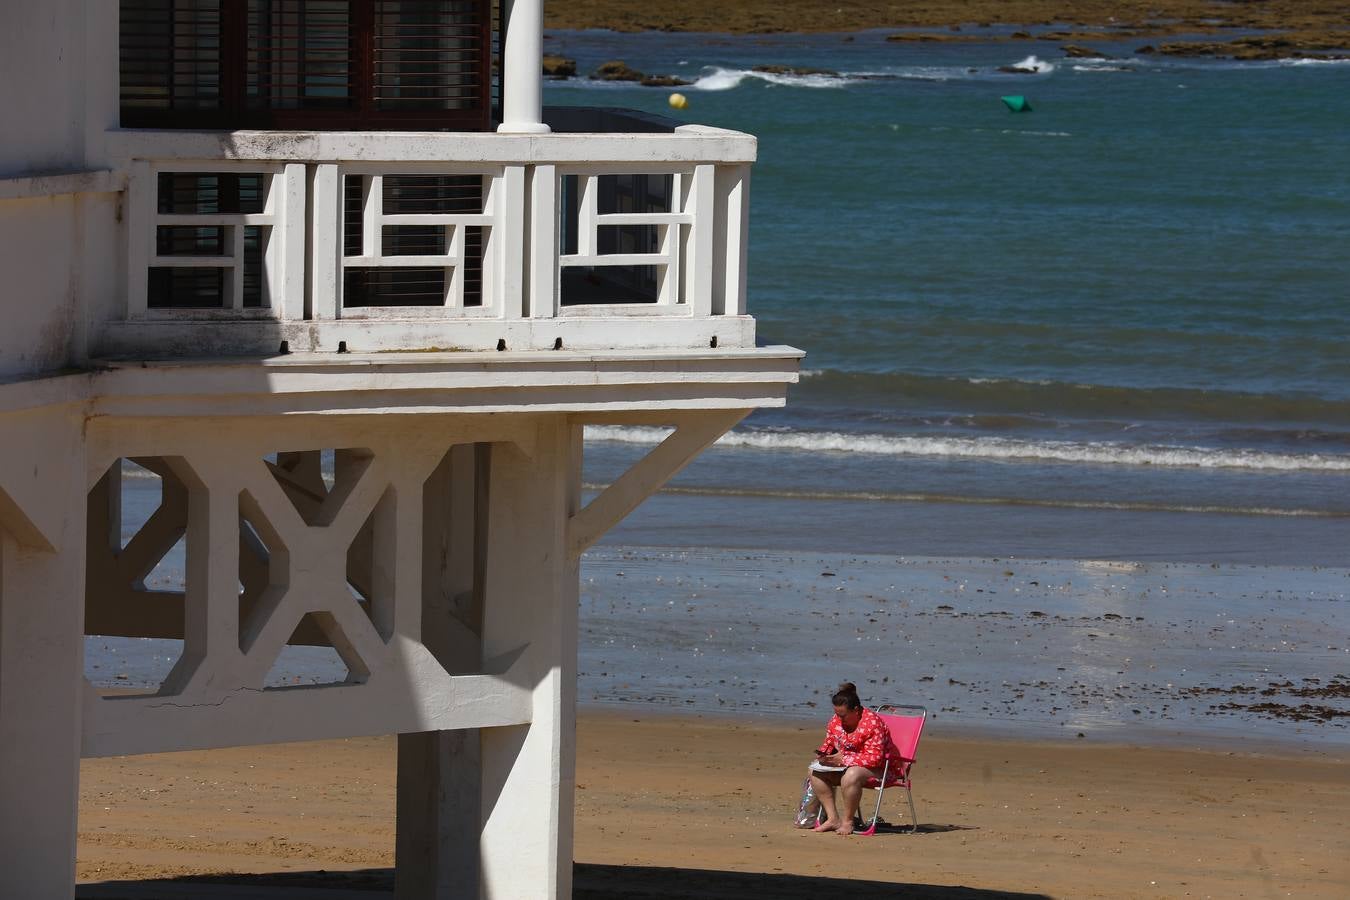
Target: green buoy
x=1017 y=103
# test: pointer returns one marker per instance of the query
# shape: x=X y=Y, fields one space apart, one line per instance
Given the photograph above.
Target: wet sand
x=672 y=807
x=1126 y=651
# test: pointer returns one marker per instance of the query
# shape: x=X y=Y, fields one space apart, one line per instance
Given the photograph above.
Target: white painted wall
x=58 y=96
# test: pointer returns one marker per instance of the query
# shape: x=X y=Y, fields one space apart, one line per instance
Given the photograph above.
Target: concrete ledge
x=57 y=184
x=594 y=383
x=449 y=382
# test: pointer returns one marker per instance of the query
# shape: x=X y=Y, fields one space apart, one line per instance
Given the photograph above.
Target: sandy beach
x=1109 y=729
x=671 y=806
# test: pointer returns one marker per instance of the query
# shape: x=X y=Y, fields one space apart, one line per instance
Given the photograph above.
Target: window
x=310 y=64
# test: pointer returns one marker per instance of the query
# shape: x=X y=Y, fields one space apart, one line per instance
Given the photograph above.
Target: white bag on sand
x=808 y=810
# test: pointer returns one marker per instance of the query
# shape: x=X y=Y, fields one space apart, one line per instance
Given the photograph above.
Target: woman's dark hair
x=847 y=695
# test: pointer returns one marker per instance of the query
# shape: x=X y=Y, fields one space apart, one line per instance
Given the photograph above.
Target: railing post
x=287 y=283
x=325 y=242
x=733 y=212
x=588 y=185
x=140 y=241
x=509 y=202
x=698 y=290
x=544 y=242
x=372 y=214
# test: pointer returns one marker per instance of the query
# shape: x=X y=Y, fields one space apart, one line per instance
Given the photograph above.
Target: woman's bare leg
x=850 y=794
x=823 y=784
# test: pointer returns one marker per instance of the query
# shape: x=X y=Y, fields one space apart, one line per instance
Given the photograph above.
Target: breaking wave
x=1034 y=64
x=716 y=78
x=998 y=448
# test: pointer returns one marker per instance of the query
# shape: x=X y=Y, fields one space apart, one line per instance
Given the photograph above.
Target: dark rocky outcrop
x=928 y=37
x=616 y=70
x=663 y=81
x=559 y=66
x=1075 y=51
x=1290 y=45
x=1123 y=19
x=795 y=70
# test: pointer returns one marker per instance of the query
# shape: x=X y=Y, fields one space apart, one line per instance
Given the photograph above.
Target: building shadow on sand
x=590 y=882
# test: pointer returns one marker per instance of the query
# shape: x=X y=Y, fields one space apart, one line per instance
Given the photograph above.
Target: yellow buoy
x=679 y=101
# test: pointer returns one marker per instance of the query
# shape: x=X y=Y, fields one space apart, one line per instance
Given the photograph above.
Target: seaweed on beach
x=1336 y=688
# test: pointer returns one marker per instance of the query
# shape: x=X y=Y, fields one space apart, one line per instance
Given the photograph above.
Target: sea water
x=1119 y=318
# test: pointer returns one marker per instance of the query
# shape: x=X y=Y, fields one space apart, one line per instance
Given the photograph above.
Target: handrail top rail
x=685 y=144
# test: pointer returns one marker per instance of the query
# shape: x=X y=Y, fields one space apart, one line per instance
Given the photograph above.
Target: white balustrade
x=435 y=237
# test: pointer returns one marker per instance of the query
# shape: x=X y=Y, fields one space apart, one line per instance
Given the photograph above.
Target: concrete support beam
x=529 y=771
x=41 y=670
x=693 y=433
x=439 y=785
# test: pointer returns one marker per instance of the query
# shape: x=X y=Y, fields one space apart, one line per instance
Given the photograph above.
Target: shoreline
x=1162 y=654
x=1195 y=740
x=1303 y=29
x=671 y=806
x=1166 y=654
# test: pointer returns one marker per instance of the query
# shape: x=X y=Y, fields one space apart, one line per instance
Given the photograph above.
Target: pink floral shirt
x=867 y=745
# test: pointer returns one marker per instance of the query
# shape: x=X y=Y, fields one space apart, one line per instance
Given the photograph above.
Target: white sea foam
x=996 y=448
x=1035 y=64
x=920 y=73
x=1036 y=133
x=1313 y=61
x=720 y=79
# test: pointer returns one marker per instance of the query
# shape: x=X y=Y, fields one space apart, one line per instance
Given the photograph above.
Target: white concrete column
x=529 y=771
x=41 y=667
x=439 y=783
x=522 y=68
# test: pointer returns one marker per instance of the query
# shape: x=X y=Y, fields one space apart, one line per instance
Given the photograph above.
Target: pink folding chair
x=905 y=724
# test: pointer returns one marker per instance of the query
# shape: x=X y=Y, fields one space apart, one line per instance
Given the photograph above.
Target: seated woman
x=857 y=741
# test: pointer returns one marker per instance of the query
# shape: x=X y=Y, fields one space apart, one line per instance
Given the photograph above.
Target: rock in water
x=663 y=81
x=559 y=66
x=795 y=70
x=616 y=70
x=1074 y=51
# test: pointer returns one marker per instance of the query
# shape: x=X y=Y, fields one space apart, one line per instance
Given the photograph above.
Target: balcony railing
x=631 y=233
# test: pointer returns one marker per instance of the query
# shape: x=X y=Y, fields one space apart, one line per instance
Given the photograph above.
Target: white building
x=240 y=238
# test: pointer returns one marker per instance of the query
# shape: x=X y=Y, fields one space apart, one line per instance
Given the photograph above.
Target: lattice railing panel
x=418 y=242
x=627 y=234
x=298 y=545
